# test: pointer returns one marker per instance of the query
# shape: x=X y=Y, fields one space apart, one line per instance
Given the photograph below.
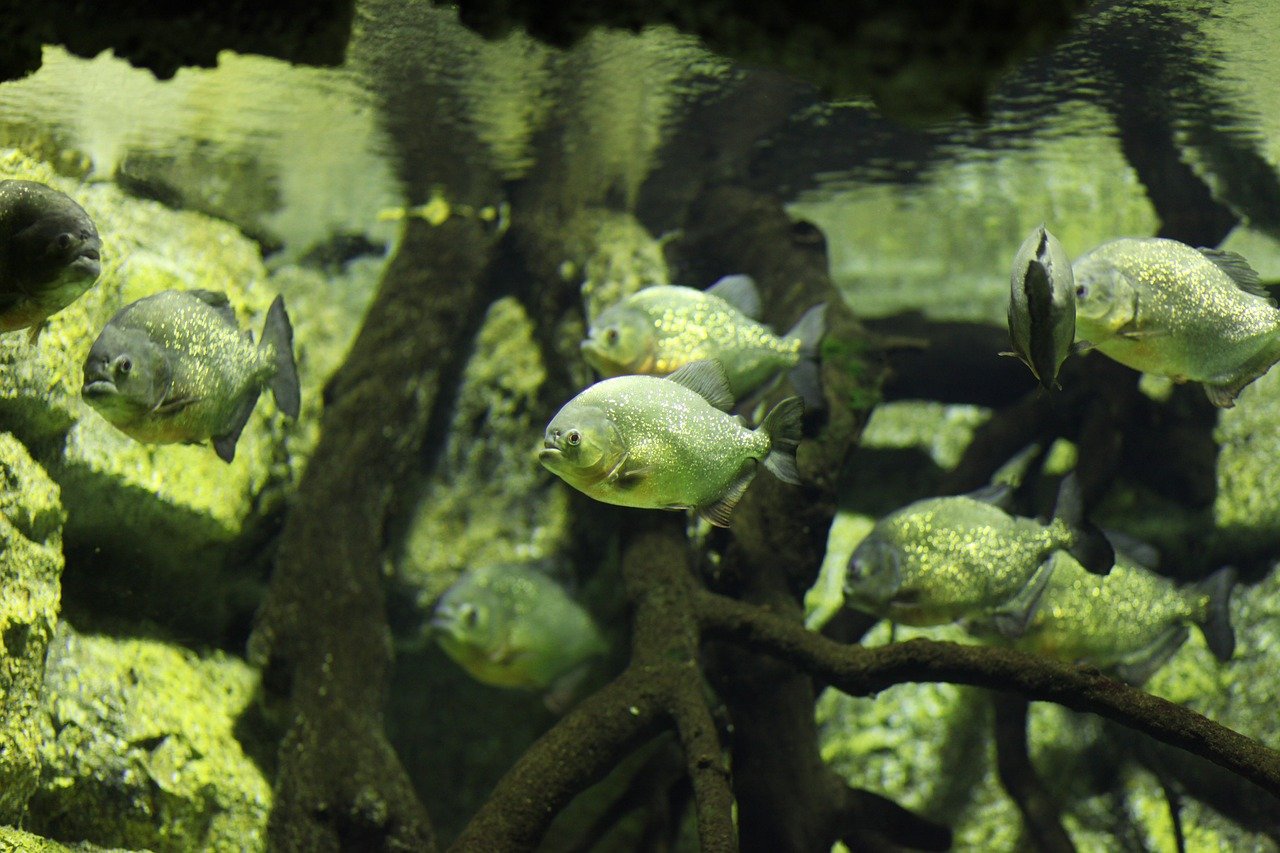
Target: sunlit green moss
x=12 y=839
x=31 y=518
x=489 y=499
x=143 y=752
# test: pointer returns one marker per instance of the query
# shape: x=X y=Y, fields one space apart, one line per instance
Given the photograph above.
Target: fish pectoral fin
x=1131 y=332
x=626 y=476
x=34 y=334
x=173 y=405
x=1222 y=396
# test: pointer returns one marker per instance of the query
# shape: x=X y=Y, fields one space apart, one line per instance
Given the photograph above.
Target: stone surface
x=142 y=749
x=31 y=519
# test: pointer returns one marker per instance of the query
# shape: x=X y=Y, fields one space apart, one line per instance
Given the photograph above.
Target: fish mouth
x=88 y=263
x=99 y=388
x=549 y=454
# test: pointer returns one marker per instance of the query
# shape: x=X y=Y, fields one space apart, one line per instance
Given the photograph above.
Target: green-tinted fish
x=668 y=443
x=1130 y=621
x=1162 y=307
x=48 y=254
x=1042 y=306
x=175 y=366
x=940 y=559
x=660 y=329
x=512 y=626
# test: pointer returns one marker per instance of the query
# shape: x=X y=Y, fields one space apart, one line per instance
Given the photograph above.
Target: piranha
x=1162 y=307
x=1042 y=306
x=669 y=443
x=941 y=559
x=660 y=329
x=48 y=254
x=175 y=366
x=513 y=626
x=1129 y=622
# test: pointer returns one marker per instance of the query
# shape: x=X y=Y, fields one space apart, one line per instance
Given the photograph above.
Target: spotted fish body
x=1162 y=307
x=1042 y=306
x=49 y=254
x=176 y=367
x=660 y=329
x=940 y=559
x=513 y=626
x=668 y=443
x=1130 y=621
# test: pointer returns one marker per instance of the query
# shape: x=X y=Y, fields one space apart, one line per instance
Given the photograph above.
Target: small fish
x=1042 y=306
x=940 y=559
x=660 y=329
x=513 y=626
x=1162 y=307
x=1129 y=622
x=175 y=366
x=48 y=254
x=642 y=441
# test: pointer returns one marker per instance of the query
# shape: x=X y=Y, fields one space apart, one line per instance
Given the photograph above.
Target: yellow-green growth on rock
x=31 y=520
x=489 y=499
x=13 y=839
x=142 y=750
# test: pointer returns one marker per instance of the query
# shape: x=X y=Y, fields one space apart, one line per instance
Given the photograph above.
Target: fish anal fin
x=1222 y=396
x=1141 y=667
x=720 y=511
x=225 y=444
x=707 y=379
x=740 y=291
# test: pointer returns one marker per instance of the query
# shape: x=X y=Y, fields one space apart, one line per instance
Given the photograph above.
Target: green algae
x=489 y=499
x=31 y=519
x=141 y=749
x=18 y=841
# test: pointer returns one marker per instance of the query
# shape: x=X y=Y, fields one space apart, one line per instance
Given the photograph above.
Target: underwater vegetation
x=507 y=576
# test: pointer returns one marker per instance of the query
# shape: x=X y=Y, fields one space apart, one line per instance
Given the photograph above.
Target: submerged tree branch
x=1039 y=812
x=861 y=671
x=661 y=687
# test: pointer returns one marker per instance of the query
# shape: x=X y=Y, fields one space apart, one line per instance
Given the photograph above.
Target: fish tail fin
x=1090 y=545
x=1215 y=623
x=277 y=333
x=805 y=375
x=809 y=329
x=782 y=425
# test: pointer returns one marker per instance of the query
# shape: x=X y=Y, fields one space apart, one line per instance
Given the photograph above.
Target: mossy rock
x=156 y=518
x=31 y=518
x=142 y=749
x=13 y=839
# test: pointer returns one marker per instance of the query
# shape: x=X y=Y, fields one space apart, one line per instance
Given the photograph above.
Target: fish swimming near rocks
x=659 y=329
x=938 y=560
x=1129 y=622
x=176 y=367
x=49 y=254
x=513 y=626
x=669 y=443
x=1042 y=306
x=1194 y=315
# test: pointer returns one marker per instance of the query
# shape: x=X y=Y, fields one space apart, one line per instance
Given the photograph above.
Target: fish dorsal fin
x=219 y=302
x=739 y=291
x=1235 y=266
x=707 y=379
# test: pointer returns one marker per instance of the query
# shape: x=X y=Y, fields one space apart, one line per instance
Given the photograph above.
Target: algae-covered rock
x=155 y=517
x=13 y=840
x=1247 y=503
x=31 y=520
x=142 y=750
x=489 y=499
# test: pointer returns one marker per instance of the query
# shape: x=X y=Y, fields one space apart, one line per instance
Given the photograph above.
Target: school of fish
x=658 y=432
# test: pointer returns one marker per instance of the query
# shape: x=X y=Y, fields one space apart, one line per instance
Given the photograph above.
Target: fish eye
x=1081 y=291
x=573 y=437
x=611 y=335
x=470 y=615
x=124 y=365
x=64 y=241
